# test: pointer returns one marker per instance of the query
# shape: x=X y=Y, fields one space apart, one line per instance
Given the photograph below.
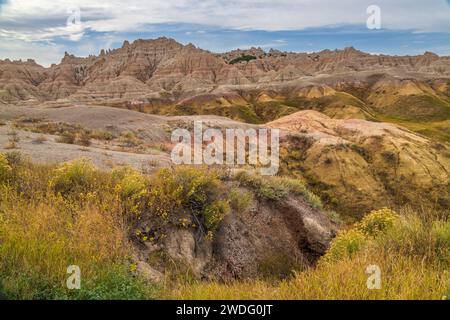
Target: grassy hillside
x=72 y=214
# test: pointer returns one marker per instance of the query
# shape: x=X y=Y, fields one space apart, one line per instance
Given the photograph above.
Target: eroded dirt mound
x=357 y=164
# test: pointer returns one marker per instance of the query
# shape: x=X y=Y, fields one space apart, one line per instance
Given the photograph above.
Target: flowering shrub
x=377 y=222
x=345 y=245
x=186 y=191
x=129 y=183
x=349 y=242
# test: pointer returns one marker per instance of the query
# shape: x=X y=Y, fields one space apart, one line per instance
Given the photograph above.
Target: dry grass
x=46 y=227
x=413 y=256
x=40 y=139
x=13 y=140
x=402 y=278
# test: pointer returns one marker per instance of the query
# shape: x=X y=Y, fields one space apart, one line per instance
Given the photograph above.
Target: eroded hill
x=165 y=77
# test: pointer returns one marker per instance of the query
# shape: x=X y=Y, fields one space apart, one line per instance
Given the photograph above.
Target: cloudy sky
x=44 y=29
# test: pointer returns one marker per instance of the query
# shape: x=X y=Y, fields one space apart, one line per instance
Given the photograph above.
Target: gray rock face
x=269 y=239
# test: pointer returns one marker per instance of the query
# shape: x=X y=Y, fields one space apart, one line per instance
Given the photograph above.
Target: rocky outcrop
x=19 y=81
x=267 y=240
x=270 y=239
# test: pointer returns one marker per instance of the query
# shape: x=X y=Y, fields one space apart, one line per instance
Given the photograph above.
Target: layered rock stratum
x=147 y=69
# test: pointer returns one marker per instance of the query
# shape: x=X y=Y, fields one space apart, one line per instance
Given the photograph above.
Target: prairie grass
x=403 y=278
x=413 y=256
x=52 y=217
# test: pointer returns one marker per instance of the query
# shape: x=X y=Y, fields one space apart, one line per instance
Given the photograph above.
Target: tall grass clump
x=240 y=199
x=74 y=176
x=349 y=242
x=131 y=188
x=129 y=183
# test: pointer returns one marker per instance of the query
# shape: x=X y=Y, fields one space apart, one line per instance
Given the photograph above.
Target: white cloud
x=44 y=22
x=117 y=16
x=47 y=53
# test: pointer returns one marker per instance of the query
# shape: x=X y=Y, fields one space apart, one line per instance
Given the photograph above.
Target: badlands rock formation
x=269 y=239
x=165 y=77
x=161 y=67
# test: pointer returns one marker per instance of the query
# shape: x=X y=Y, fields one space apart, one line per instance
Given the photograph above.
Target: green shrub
x=115 y=282
x=377 y=222
x=5 y=168
x=277 y=188
x=264 y=187
x=129 y=183
x=242 y=58
x=313 y=200
x=77 y=175
x=345 y=245
x=271 y=190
